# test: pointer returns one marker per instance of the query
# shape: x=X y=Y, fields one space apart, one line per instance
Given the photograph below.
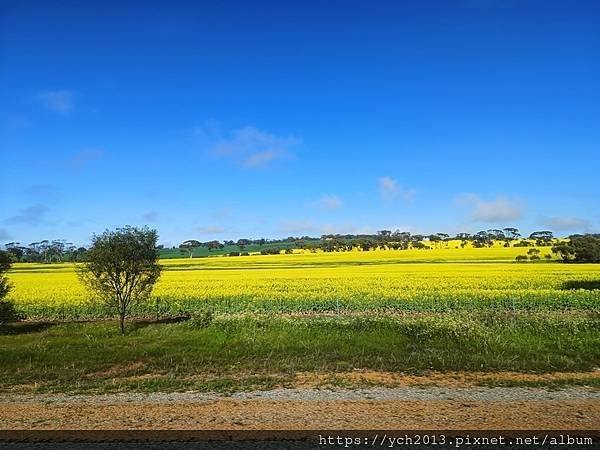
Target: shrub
x=523 y=243
x=5 y=262
x=448 y=327
x=202 y=319
x=7 y=312
x=521 y=258
x=7 y=309
x=234 y=253
x=270 y=251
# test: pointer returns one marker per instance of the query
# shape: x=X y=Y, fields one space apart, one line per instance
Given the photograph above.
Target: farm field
x=436 y=280
x=259 y=321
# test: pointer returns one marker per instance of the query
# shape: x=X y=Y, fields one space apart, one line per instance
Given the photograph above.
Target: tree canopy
x=122 y=268
x=580 y=249
x=7 y=312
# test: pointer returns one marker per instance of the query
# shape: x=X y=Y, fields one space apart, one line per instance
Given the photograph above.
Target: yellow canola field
x=436 y=279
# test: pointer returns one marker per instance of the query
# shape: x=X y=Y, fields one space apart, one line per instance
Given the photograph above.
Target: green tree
x=384 y=235
x=7 y=311
x=580 y=249
x=189 y=246
x=542 y=238
x=121 y=268
x=243 y=243
x=511 y=233
x=214 y=245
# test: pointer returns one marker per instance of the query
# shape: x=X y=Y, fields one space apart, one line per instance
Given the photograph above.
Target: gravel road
x=400 y=393
x=301 y=409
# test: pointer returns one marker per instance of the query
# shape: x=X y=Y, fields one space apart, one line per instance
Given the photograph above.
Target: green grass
x=258 y=352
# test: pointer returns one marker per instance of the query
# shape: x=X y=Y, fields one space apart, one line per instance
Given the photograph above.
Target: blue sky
x=222 y=120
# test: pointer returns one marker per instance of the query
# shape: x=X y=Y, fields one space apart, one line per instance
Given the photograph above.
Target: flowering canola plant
x=439 y=279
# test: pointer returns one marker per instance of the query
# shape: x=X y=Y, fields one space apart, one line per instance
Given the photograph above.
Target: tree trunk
x=122 y=323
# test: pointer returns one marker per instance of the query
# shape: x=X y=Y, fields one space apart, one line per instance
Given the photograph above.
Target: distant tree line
x=190 y=246
x=395 y=240
x=45 y=252
x=576 y=248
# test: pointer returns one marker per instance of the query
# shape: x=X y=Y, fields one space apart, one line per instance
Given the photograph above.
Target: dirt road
x=281 y=409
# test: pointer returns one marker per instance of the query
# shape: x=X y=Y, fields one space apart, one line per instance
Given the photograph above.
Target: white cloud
x=57 y=101
x=565 y=223
x=210 y=229
x=328 y=202
x=389 y=190
x=252 y=148
x=500 y=209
